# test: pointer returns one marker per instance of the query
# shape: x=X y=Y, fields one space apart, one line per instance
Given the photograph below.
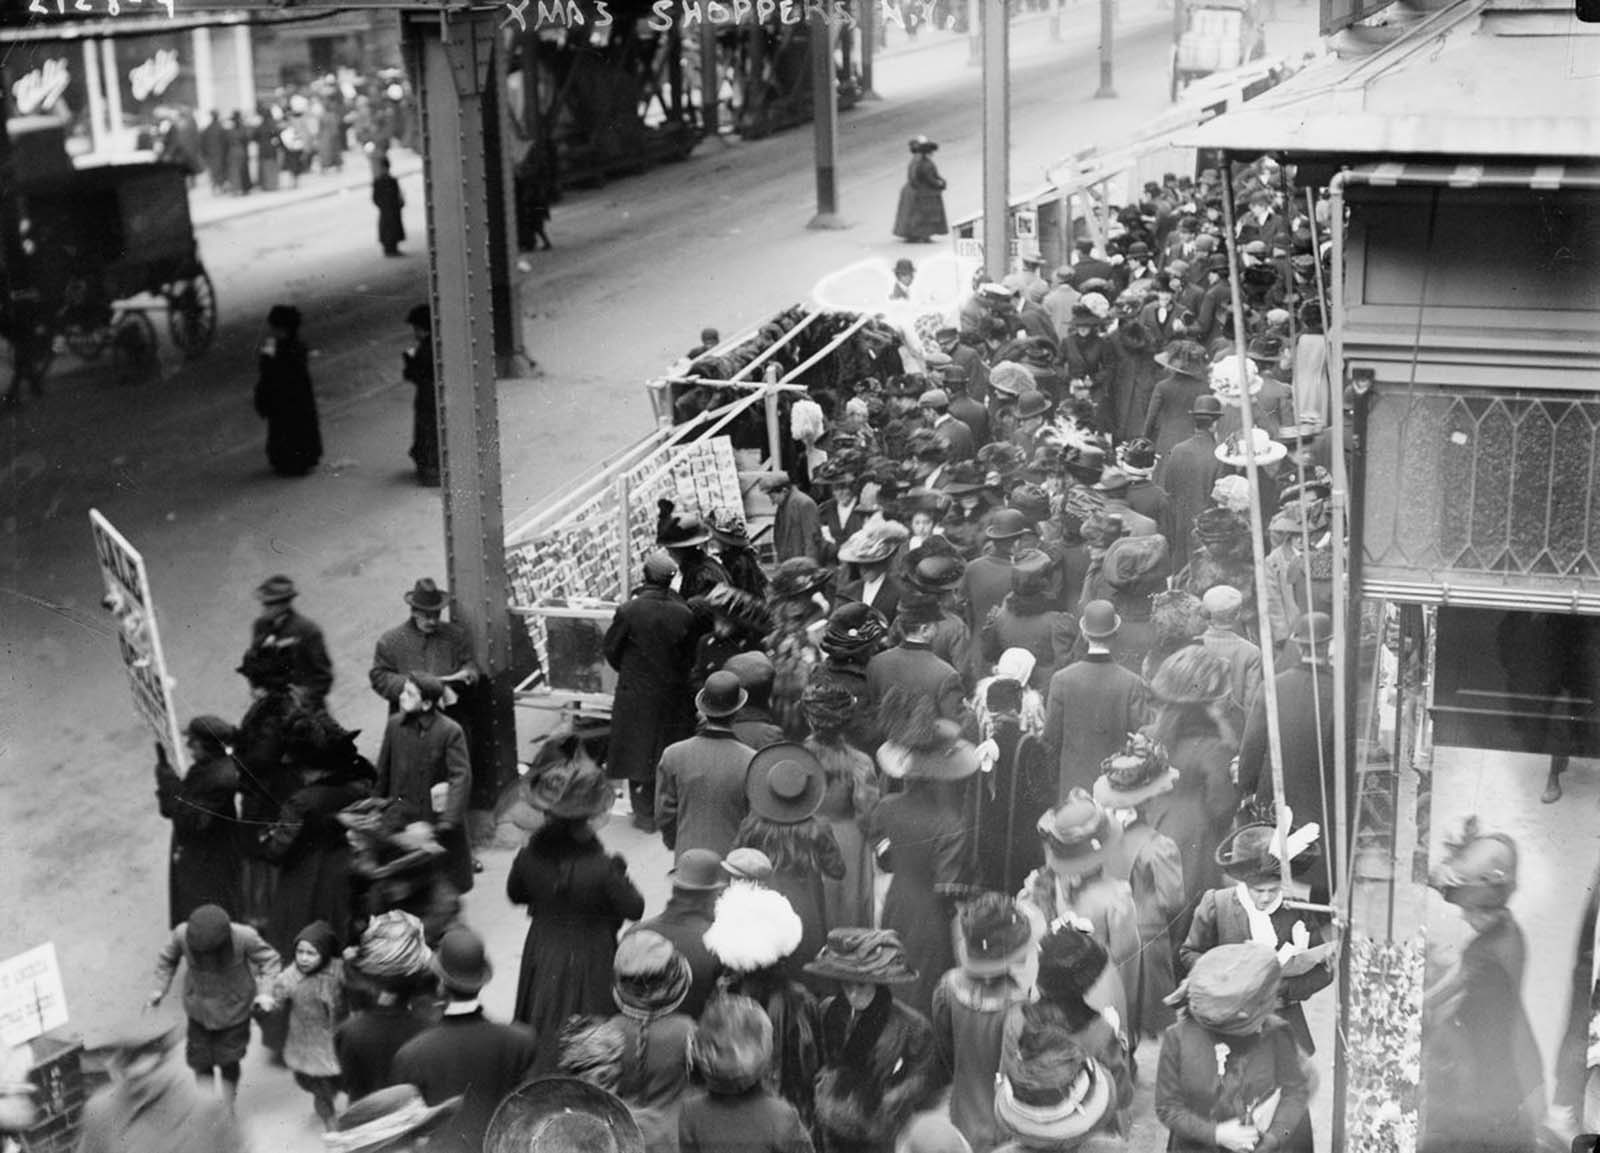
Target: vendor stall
x=722 y=424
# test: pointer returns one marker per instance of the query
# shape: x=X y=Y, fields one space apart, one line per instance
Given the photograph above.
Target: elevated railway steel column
x=452 y=59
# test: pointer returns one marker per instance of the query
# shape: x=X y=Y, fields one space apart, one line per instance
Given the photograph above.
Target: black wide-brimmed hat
x=1250 y=853
x=863 y=956
x=785 y=783
x=799 y=576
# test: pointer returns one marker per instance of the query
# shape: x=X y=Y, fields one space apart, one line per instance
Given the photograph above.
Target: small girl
x=313 y=987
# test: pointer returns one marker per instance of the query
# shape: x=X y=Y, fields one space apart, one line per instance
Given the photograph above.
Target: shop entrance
x=1519 y=682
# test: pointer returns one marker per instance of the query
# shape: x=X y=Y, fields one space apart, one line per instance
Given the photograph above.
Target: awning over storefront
x=1484 y=78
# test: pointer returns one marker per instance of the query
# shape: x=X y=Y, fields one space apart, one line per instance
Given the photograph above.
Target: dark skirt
x=566 y=971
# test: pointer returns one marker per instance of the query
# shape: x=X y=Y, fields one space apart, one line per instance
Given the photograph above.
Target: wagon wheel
x=192 y=313
x=134 y=353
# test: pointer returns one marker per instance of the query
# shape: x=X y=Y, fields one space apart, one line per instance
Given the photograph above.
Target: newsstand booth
x=1458 y=148
x=577 y=556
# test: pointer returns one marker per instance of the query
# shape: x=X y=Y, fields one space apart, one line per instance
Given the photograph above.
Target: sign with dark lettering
x=138 y=641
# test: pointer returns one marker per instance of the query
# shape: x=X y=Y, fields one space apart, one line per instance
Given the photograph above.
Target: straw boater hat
x=1050 y=1092
x=864 y=957
x=1479 y=870
x=1077 y=834
x=563 y=1115
x=753 y=928
x=649 y=978
x=1252 y=854
x=785 y=783
x=1267 y=451
x=994 y=935
x=1140 y=772
x=387 y=1118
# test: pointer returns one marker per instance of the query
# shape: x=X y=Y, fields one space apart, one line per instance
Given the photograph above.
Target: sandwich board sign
x=127 y=598
x=32 y=1001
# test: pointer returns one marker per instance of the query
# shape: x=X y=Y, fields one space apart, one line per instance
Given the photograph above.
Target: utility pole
x=825 y=123
x=710 y=82
x=996 y=140
x=868 y=10
x=1108 y=29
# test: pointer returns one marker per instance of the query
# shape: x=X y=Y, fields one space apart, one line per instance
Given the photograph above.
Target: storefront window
x=155 y=74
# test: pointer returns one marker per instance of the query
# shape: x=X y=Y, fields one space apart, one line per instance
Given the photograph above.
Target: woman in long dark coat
x=1192 y=688
x=307 y=841
x=925 y=828
x=577 y=898
x=238 y=156
x=1482 y=1077
x=265 y=780
x=651 y=645
x=203 y=864
x=389 y=201
x=284 y=397
x=920 y=216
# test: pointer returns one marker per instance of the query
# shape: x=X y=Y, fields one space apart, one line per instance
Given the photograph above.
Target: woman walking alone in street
x=418 y=361
x=386 y=195
x=920 y=216
x=577 y=899
x=284 y=396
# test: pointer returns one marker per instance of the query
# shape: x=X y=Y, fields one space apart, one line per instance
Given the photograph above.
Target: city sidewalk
x=206 y=207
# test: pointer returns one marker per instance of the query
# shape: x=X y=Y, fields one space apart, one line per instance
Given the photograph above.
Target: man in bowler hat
x=465 y=1055
x=424 y=643
x=1094 y=703
x=283 y=633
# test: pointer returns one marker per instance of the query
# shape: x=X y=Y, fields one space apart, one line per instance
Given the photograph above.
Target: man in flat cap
x=796 y=523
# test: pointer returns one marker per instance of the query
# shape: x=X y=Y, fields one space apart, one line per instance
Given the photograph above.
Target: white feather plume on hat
x=753 y=928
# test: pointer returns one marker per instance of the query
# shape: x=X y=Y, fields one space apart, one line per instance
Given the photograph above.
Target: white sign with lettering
x=128 y=599
x=32 y=1001
x=155 y=75
x=39 y=90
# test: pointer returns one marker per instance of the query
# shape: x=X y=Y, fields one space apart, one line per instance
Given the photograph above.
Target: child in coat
x=313 y=989
x=970 y=1005
x=229 y=969
x=737 y=1114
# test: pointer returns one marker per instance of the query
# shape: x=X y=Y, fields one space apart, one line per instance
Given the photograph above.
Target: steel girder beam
x=453 y=70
